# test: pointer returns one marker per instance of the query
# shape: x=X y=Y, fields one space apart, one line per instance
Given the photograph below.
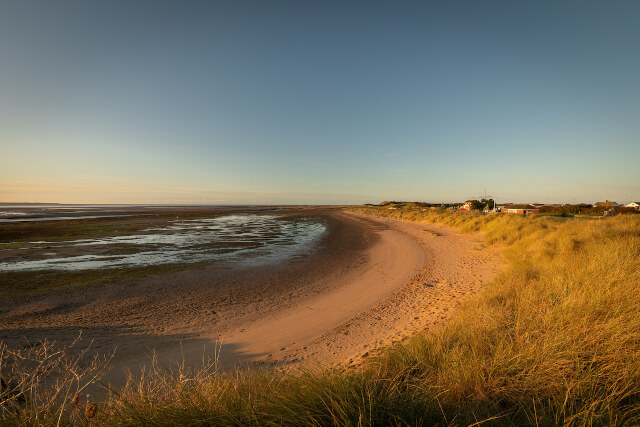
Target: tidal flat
x=37 y=256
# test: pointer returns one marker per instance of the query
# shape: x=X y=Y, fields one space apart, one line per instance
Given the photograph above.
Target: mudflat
x=368 y=282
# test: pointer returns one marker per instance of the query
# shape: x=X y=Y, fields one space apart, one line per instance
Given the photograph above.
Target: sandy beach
x=371 y=282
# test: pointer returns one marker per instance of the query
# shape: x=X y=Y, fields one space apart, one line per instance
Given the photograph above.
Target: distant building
x=521 y=209
x=606 y=204
x=635 y=205
x=467 y=205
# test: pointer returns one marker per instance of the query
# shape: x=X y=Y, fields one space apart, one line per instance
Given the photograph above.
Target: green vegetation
x=35 y=282
x=55 y=231
x=85 y=228
x=555 y=340
x=586 y=209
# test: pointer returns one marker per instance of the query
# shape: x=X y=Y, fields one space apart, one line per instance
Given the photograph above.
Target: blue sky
x=327 y=102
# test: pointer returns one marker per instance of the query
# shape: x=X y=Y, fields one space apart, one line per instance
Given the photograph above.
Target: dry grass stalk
x=41 y=379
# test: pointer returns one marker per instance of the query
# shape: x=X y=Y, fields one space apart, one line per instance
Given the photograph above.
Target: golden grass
x=555 y=340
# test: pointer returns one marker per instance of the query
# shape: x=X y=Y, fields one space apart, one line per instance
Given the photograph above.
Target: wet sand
x=370 y=283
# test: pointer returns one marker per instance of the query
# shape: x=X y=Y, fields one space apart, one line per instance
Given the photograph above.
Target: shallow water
x=235 y=238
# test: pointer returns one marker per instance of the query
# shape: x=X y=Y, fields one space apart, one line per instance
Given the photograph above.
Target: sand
x=371 y=283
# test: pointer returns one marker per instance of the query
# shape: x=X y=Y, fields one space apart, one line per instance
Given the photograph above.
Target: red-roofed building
x=521 y=209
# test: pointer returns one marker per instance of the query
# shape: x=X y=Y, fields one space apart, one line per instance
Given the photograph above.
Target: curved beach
x=369 y=283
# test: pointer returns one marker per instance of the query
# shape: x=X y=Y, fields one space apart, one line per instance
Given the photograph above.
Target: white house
x=633 y=205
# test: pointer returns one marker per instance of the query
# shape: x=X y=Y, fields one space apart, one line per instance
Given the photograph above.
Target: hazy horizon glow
x=232 y=102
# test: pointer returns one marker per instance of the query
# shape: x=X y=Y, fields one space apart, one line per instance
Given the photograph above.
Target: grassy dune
x=554 y=340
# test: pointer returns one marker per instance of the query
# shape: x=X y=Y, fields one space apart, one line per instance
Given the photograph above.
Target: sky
x=274 y=102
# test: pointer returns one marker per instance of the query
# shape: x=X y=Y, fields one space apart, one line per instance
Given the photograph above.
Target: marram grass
x=555 y=340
